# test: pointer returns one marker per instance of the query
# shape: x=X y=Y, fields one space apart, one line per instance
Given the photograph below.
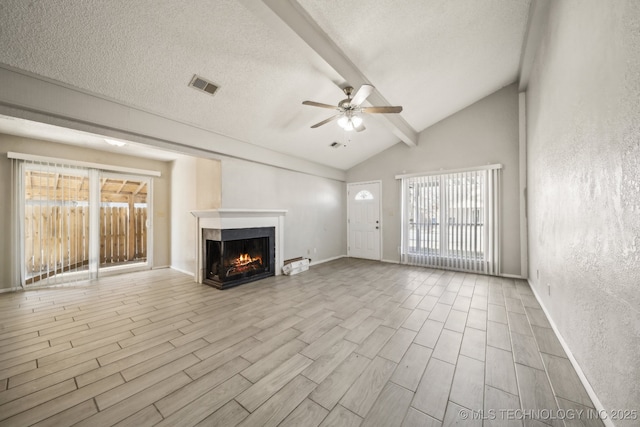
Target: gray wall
x=195 y=185
x=483 y=133
x=583 y=120
x=161 y=192
x=315 y=224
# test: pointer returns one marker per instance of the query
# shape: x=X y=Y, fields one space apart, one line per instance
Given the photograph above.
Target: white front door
x=364 y=220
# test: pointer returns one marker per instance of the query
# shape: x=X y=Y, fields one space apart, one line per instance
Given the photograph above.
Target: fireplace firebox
x=236 y=256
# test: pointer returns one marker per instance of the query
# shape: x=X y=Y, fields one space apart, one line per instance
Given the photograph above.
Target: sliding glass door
x=56 y=222
x=76 y=221
x=123 y=220
x=452 y=220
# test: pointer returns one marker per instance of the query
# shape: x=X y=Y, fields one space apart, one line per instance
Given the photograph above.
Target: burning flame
x=243 y=264
x=245 y=259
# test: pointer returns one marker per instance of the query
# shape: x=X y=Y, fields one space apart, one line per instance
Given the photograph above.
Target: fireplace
x=236 y=256
x=234 y=219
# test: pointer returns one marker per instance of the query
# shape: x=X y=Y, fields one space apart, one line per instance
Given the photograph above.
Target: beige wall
x=483 y=133
x=583 y=110
x=315 y=224
x=195 y=185
x=161 y=192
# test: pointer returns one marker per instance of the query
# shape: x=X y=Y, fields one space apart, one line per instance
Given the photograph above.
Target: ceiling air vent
x=203 y=85
x=335 y=145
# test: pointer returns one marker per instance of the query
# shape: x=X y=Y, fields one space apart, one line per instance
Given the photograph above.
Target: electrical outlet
x=549 y=288
x=315 y=250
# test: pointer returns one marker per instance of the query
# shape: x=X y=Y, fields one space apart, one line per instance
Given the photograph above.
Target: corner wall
x=483 y=133
x=195 y=185
x=315 y=224
x=161 y=192
x=583 y=163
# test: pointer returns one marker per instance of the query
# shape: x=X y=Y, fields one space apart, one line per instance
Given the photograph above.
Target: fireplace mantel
x=226 y=218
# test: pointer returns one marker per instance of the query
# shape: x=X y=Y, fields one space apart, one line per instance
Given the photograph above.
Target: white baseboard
x=390 y=261
x=513 y=276
x=322 y=261
x=14 y=289
x=583 y=379
x=188 y=273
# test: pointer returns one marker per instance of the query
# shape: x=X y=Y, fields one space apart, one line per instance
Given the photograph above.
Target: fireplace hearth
x=236 y=256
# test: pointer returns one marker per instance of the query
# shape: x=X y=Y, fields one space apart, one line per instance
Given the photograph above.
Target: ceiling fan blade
x=362 y=94
x=360 y=128
x=381 y=110
x=319 y=104
x=330 y=119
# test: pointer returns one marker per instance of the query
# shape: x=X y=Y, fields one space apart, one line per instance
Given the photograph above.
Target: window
x=364 y=195
x=451 y=220
x=73 y=220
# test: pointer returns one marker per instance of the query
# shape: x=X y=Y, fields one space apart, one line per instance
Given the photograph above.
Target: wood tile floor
x=347 y=343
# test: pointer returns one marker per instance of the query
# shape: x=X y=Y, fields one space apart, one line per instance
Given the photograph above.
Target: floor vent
x=199 y=83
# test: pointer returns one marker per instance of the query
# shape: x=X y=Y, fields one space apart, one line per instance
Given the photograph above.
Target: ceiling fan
x=349 y=109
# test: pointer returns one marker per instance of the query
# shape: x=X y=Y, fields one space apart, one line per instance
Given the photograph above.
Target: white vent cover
x=204 y=85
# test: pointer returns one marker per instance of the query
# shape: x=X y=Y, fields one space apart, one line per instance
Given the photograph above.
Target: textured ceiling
x=432 y=57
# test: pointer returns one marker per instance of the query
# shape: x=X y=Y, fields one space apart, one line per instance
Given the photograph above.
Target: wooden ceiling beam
x=122 y=186
x=139 y=189
x=59 y=185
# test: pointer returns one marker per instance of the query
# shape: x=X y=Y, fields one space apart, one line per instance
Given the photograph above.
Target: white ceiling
x=432 y=57
x=46 y=132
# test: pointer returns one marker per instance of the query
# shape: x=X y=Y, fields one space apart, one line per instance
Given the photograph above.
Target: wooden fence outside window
x=56 y=238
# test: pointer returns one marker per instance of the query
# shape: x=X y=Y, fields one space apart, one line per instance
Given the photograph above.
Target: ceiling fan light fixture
x=349 y=110
x=343 y=122
x=349 y=122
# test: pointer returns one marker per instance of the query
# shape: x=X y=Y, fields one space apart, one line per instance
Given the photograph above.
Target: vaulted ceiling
x=433 y=57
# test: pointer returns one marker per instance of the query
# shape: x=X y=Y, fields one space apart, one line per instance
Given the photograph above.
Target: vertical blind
x=452 y=220
x=71 y=220
x=52 y=205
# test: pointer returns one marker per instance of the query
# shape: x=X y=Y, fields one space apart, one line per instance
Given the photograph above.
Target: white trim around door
x=364 y=220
